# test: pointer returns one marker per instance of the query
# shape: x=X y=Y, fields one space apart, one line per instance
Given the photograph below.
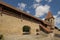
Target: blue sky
x=38 y=8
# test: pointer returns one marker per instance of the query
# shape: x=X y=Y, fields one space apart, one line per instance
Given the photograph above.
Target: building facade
x=17 y=22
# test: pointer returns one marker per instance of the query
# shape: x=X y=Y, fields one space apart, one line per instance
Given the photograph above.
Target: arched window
x=26 y=30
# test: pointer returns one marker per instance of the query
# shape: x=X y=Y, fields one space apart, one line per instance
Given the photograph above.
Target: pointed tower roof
x=49 y=15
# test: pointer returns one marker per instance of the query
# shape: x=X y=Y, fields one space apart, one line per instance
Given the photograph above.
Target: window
x=37 y=30
x=48 y=19
x=26 y=30
x=52 y=28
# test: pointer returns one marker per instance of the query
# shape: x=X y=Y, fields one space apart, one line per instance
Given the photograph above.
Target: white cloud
x=41 y=10
x=48 y=0
x=55 y=16
x=57 y=19
x=58 y=12
x=38 y=1
x=43 y=18
x=28 y=11
x=21 y=6
x=35 y=5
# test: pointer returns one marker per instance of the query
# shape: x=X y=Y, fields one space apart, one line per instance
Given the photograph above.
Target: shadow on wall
x=57 y=35
x=1 y=37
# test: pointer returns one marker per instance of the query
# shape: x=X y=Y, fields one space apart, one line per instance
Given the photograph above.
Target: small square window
x=37 y=30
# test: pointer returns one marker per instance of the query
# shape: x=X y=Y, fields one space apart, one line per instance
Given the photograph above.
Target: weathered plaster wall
x=14 y=25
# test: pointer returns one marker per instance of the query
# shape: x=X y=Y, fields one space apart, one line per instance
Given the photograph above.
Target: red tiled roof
x=49 y=15
x=0 y=8
x=46 y=29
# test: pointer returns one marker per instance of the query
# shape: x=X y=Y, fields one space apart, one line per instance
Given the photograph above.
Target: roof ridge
x=11 y=7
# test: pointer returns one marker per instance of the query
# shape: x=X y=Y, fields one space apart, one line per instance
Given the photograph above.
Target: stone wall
x=28 y=37
x=24 y=37
x=13 y=24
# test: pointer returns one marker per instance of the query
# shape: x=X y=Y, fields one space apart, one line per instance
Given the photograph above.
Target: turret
x=50 y=19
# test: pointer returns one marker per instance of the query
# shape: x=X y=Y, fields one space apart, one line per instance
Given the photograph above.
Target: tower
x=50 y=19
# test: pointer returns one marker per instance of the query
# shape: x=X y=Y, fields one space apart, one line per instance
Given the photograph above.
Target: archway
x=26 y=30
